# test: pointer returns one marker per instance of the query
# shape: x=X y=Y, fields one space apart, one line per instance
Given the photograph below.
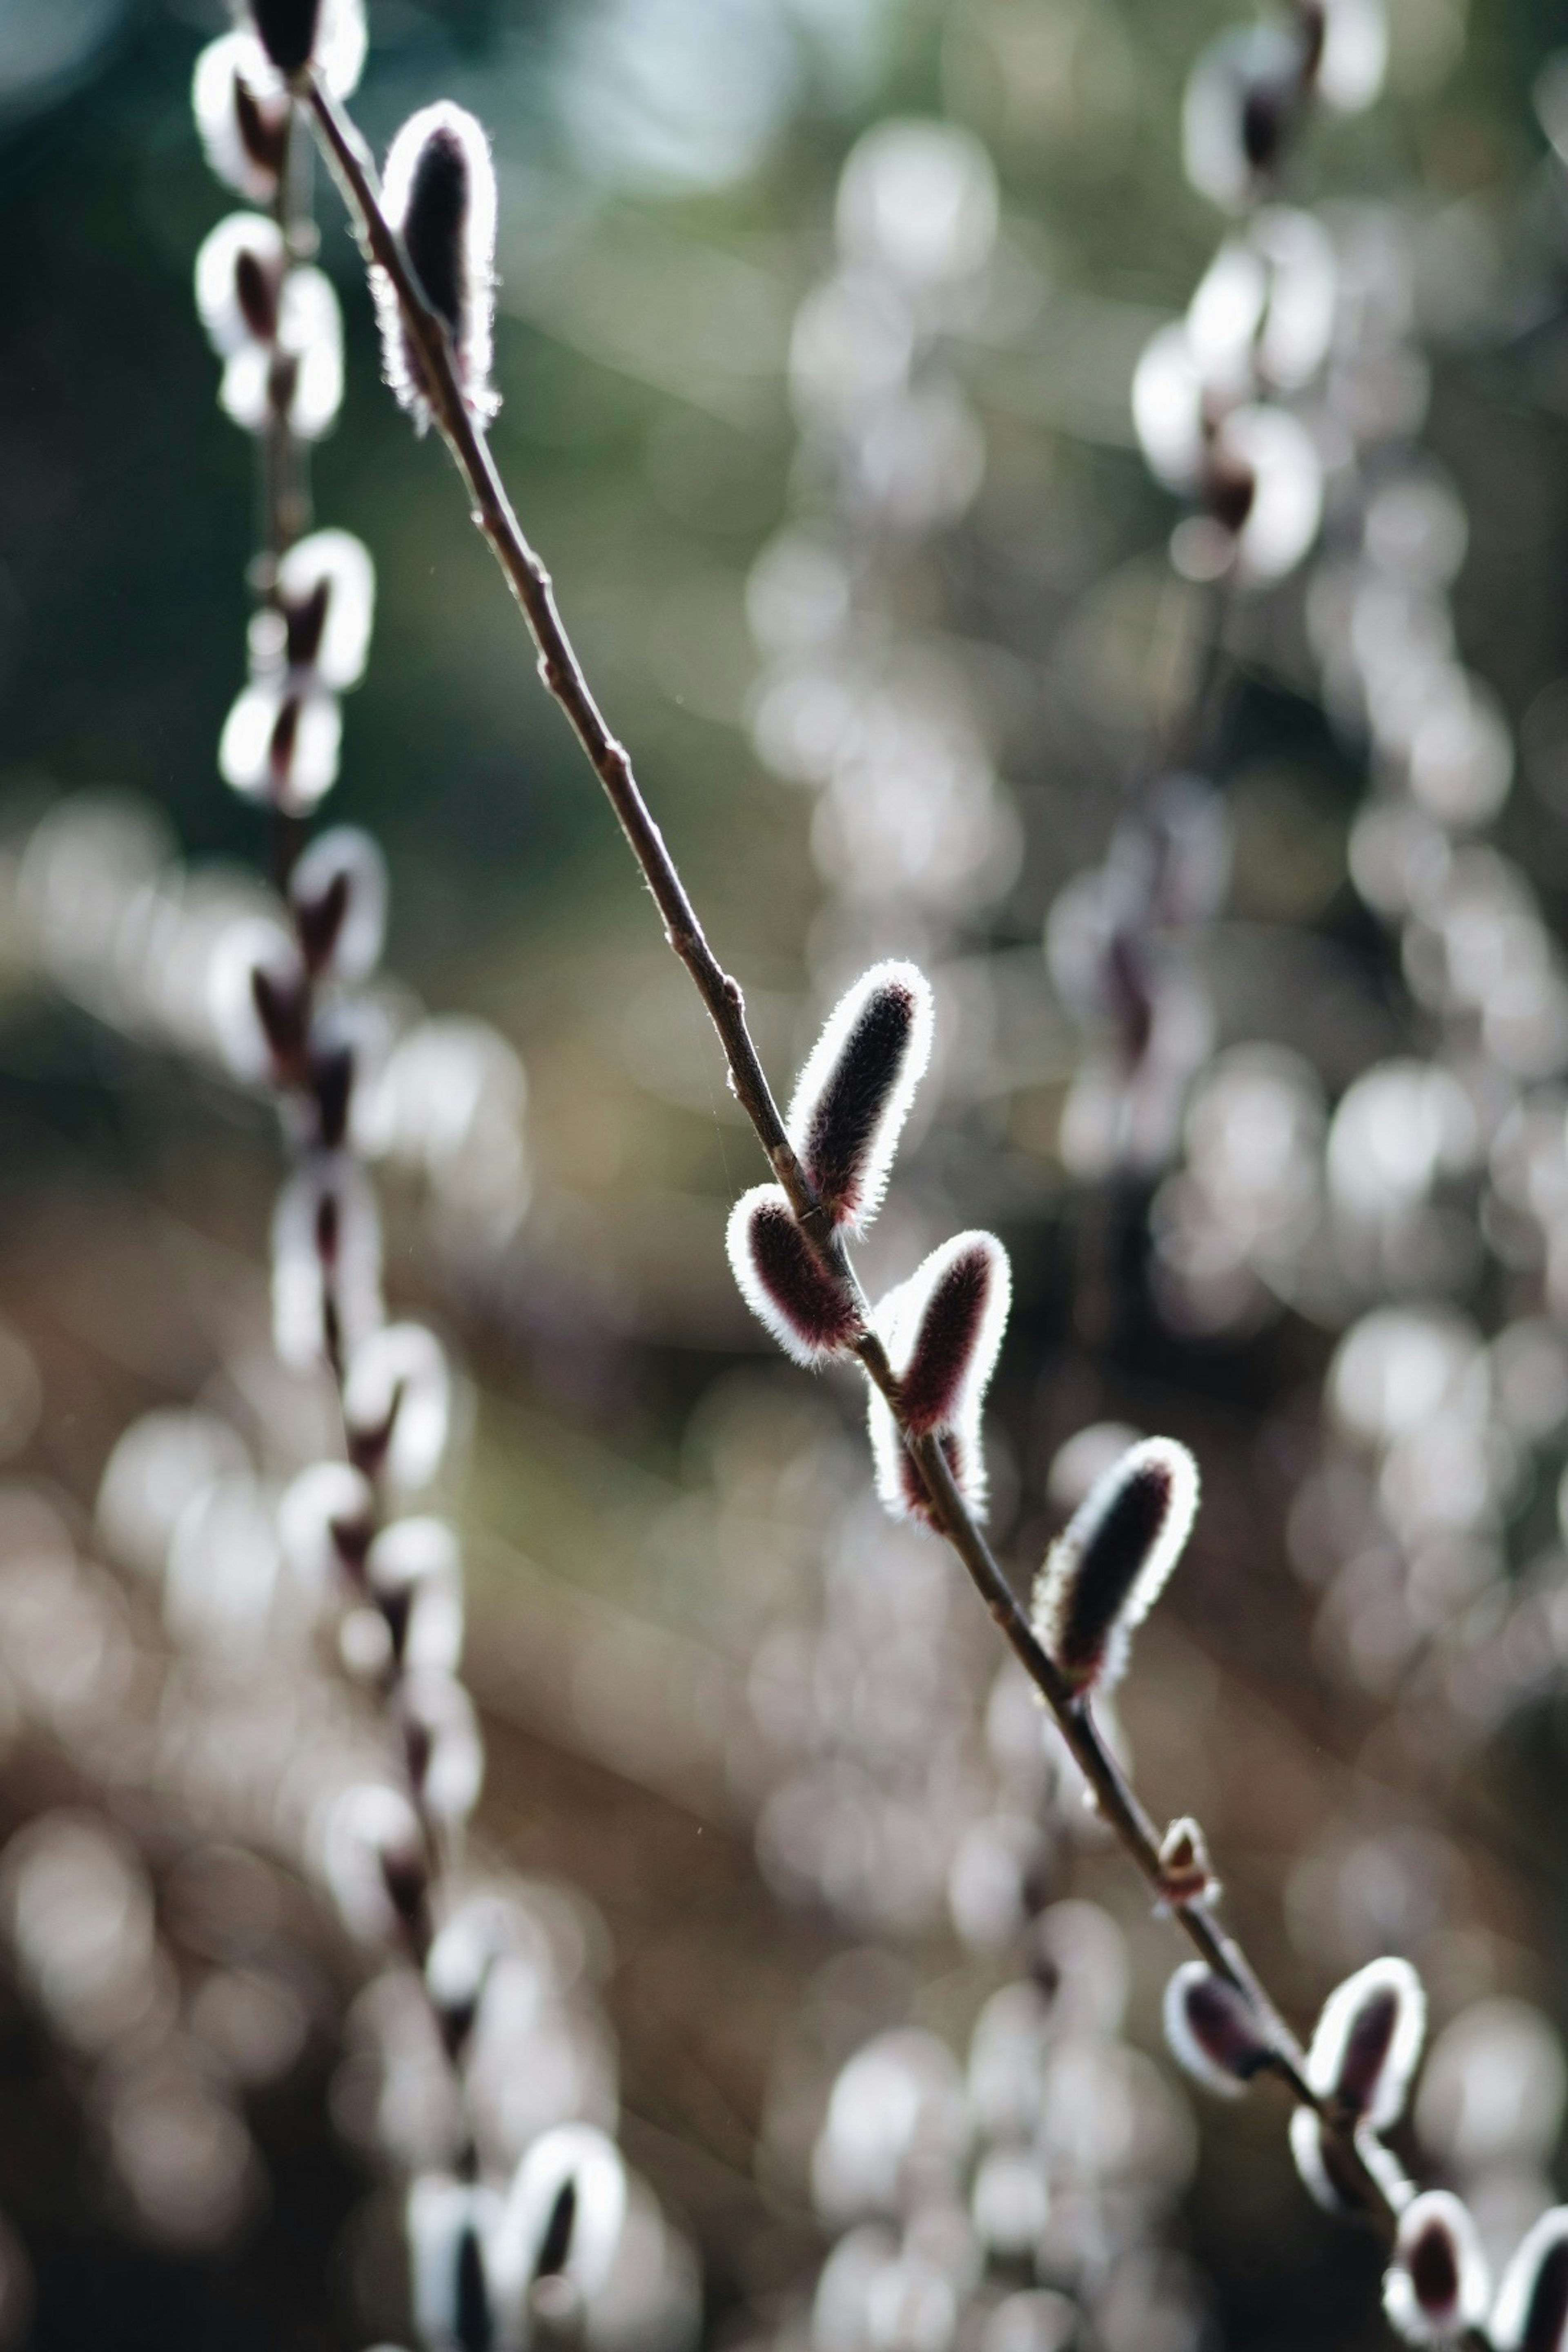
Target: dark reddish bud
x=1105 y=1570
x=854 y=1095
x=809 y=1310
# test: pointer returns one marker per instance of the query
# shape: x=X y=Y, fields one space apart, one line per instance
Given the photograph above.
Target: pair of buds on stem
x=942 y=1330
x=1363 y=2057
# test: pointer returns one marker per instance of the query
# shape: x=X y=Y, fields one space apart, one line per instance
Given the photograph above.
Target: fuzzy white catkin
x=309 y=338
x=299 y=1290
x=1437 y=2215
x=470 y=265
x=342 y=563
x=1062 y=1602
x=885 y=1116
x=335 y=38
x=238 y=238
x=347 y=858
x=810 y=1314
x=254 y=944
x=1390 y=1978
x=399 y=1382
x=587 y=2158
x=441 y=2212
x=325 y=1495
x=415 y=1567
x=435 y=1706
x=901 y=1319
x=237 y=58
x=358 y=1830
x=281 y=747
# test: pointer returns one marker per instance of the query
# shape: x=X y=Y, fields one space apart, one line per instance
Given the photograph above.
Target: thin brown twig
x=563 y=675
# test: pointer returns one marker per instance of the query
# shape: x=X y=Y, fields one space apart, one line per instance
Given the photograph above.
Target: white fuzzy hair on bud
x=564 y=2212
x=1368 y=2041
x=452 y=2225
x=338 y=893
x=397 y=1405
x=326 y=592
x=1437 y=2283
x=458 y=1966
x=441 y=1740
x=279 y=330
x=326 y=1262
x=439 y=191
x=326 y=1517
x=242 y=112
x=327 y=37
x=1214 y=2030
x=281 y=747
x=240 y=271
x=1108 y=1567
x=256 y=989
x=1241 y=108
x=943 y=1330
x=1531 y=2310
x=810 y=1312
x=373 y=1858
x=414 y=1571
x=1353 y=51
x=853 y=1094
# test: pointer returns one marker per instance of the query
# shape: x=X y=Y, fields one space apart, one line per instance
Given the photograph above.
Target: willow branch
x=563 y=675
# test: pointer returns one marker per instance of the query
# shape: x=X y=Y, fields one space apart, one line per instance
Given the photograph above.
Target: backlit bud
x=240 y=276
x=563 y=2221
x=397 y=1405
x=1105 y=1570
x=327 y=35
x=1184 y=1862
x=458 y=1966
x=414 y=1572
x=440 y=194
x=300 y=378
x=809 y=1311
x=451 y=2227
x=1242 y=107
x=1435 y=2286
x=1347 y=43
x=338 y=893
x=281 y=746
x=854 y=1095
x=326 y=595
x=279 y=332
x=326 y=1263
x=1368 y=2041
x=1531 y=2314
x=942 y=1329
x=441 y=1743
x=1214 y=2030
x=325 y=1522
x=259 y=1000
x=373 y=1860
x=242 y=115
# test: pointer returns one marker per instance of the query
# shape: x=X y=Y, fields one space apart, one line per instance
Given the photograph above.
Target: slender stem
x=563 y=675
